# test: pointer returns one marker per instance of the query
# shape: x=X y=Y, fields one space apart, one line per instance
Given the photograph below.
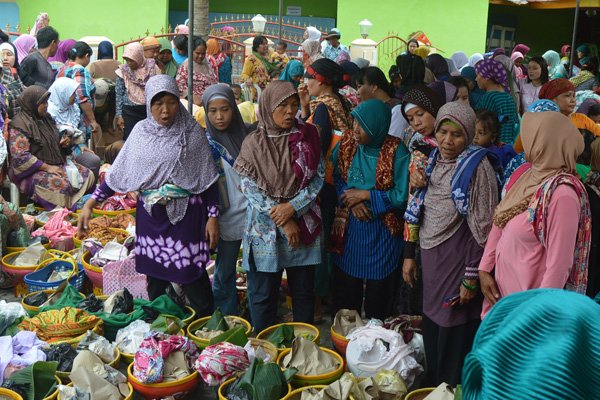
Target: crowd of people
x=437 y=189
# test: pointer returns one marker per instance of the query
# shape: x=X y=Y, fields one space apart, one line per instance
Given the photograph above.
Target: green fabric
x=283 y=336
x=293 y=68
x=235 y=336
x=451 y=123
x=266 y=381
x=172 y=66
x=374 y=116
x=13 y=329
x=583 y=170
x=269 y=66
x=112 y=323
x=40 y=376
x=216 y=322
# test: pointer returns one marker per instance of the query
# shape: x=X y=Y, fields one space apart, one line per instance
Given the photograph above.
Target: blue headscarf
x=105 y=50
x=475 y=94
x=543 y=105
x=536 y=344
x=293 y=68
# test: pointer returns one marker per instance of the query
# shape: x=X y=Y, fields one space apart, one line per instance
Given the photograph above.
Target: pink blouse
x=519 y=259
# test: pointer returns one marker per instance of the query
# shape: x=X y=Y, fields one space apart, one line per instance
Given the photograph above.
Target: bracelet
x=465 y=284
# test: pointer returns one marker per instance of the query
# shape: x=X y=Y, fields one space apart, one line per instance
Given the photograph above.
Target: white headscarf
x=313 y=34
x=475 y=58
x=58 y=104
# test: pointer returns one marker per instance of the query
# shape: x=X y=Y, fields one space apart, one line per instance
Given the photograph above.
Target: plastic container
x=230 y=381
x=10 y=250
x=36 y=280
x=17 y=272
x=111 y=214
x=94 y=273
x=54 y=395
x=33 y=311
x=202 y=343
x=181 y=387
x=299 y=327
x=74 y=219
x=340 y=342
x=311 y=380
x=419 y=394
x=10 y=394
x=268 y=347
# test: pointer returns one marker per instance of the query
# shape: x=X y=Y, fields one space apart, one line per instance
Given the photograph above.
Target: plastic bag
x=391 y=383
x=31 y=210
x=129 y=338
x=72 y=393
x=93 y=246
x=91 y=304
x=19 y=388
x=9 y=313
x=119 y=302
x=18 y=238
x=99 y=345
x=63 y=353
x=41 y=239
x=151 y=314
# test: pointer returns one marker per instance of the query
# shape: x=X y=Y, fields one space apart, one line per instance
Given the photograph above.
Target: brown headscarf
x=265 y=156
x=44 y=141
x=552 y=145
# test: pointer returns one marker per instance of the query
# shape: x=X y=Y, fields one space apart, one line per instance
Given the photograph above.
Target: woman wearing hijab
x=106 y=65
x=131 y=84
x=586 y=80
x=67 y=116
x=165 y=56
x=422 y=52
x=62 y=54
x=8 y=55
x=412 y=70
x=513 y=78
x=493 y=78
x=454 y=212
x=474 y=59
x=311 y=51
x=349 y=90
x=371 y=181
x=9 y=79
x=517 y=59
x=221 y=60
x=38 y=163
x=225 y=131
x=541 y=232
x=168 y=160
x=324 y=106
x=438 y=65
x=204 y=74
x=460 y=59
x=592 y=187
x=556 y=69
x=282 y=174
x=583 y=53
x=292 y=72
x=257 y=67
x=531 y=85
x=24 y=44
x=475 y=92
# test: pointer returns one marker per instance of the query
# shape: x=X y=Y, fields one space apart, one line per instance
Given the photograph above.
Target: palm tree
x=201 y=25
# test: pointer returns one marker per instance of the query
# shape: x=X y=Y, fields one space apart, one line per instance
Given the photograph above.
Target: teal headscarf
x=375 y=118
x=293 y=68
x=537 y=344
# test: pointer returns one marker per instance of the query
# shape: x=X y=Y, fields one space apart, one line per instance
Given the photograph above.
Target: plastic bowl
x=311 y=380
x=181 y=387
x=111 y=214
x=54 y=394
x=78 y=241
x=33 y=311
x=94 y=273
x=10 y=394
x=189 y=319
x=299 y=327
x=202 y=343
x=268 y=347
x=230 y=381
x=10 y=250
x=18 y=273
x=126 y=398
x=128 y=358
x=419 y=394
x=340 y=342
x=74 y=222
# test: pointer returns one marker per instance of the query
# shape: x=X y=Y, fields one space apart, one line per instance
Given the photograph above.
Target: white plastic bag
x=129 y=338
x=9 y=312
x=367 y=354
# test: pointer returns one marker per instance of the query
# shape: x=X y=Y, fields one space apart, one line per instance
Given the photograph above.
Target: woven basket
x=37 y=280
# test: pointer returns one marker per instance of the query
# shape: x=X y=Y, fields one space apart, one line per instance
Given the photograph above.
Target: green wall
x=539 y=29
x=116 y=19
x=316 y=8
x=449 y=25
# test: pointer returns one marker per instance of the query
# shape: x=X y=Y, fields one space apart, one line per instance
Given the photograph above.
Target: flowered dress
x=201 y=81
x=224 y=66
x=255 y=70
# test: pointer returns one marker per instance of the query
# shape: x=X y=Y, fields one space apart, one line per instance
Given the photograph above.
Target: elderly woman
x=151 y=47
x=106 y=65
x=541 y=232
x=222 y=61
x=131 y=84
x=168 y=160
x=225 y=131
x=282 y=174
x=372 y=182
x=257 y=67
x=311 y=52
x=454 y=211
x=165 y=56
x=203 y=73
x=39 y=162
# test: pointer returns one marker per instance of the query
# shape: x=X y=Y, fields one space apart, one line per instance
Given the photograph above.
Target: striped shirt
x=502 y=104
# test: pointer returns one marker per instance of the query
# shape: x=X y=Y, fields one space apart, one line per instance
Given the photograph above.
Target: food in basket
x=104 y=235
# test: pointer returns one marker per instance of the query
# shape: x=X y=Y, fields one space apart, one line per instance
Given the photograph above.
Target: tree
x=201 y=25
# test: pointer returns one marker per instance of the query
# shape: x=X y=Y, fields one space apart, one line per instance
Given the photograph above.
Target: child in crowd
x=280 y=56
x=463 y=88
x=237 y=92
x=487 y=134
x=594 y=113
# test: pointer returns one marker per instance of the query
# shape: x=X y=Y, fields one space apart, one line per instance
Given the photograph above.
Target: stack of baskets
x=38 y=280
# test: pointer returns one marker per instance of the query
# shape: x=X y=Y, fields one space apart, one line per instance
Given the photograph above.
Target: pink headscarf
x=182 y=29
x=63 y=50
x=24 y=44
x=135 y=80
x=516 y=55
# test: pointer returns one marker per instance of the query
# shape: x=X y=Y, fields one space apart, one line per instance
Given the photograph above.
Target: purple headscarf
x=24 y=44
x=154 y=155
x=499 y=52
x=446 y=91
x=63 y=50
x=494 y=70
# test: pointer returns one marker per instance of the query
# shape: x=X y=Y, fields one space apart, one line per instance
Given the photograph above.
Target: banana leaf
x=236 y=336
x=40 y=375
x=282 y=337
x=266 y=381
x=167 y=324
x=216 y=322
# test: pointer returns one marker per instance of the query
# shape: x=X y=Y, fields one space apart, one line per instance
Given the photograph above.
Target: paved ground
x=207 y=393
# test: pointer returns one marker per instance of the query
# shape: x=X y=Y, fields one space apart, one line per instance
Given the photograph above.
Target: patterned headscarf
x=135 y=80
x=312 y=49
x=342 y=57
x=555 y=87
x=460 y=114
x=424 y=97
x=494 y=70
x=543 y=105
x=180 y=154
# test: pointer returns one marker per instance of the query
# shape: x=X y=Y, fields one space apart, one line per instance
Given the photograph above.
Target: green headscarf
x=293 y=68
x=172 y=66
x=375 y=118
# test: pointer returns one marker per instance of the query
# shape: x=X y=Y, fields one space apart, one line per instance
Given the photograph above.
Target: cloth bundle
x=219 y=362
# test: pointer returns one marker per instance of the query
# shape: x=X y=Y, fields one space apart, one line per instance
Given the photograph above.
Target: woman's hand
x=65 y=142
x=466 y=295
x=489 y=288
x=410 y=271
x=95 y=126
x=292 y=231
x=418 y=179
x=352 y=197
x=361 y=212
x=52 y=169
x=121 y=123
x=84 y=218
x=212 y=232
x=281 y=213
x=304 y=95
x=83 y=148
